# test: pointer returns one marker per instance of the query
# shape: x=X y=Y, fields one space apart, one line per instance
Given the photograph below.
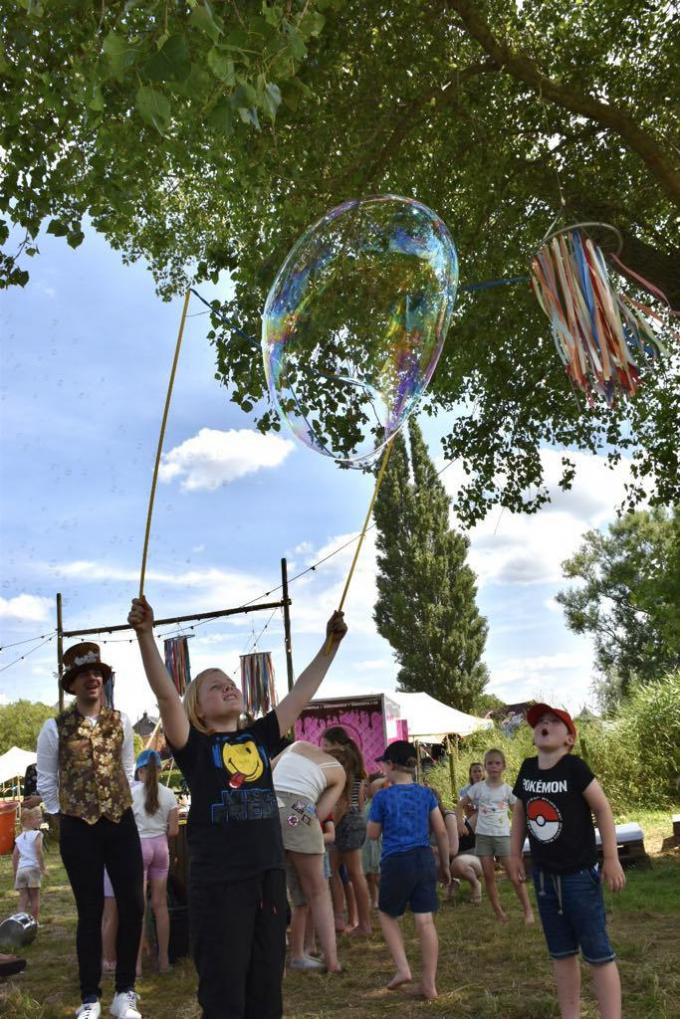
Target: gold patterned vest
x=92 y=781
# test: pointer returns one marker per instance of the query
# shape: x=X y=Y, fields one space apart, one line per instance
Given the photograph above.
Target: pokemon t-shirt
x=559 y=821
x=233 y=830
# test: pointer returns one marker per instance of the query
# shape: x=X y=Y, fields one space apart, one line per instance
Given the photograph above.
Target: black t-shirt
x=558 y=818
x=233 y=829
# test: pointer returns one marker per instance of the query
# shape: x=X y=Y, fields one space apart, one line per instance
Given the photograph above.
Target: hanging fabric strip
x=601 y=336
x=258 y=683
x=177 y=662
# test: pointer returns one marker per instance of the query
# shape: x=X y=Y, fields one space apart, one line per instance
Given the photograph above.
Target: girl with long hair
x=155 y=809
x=350 y=823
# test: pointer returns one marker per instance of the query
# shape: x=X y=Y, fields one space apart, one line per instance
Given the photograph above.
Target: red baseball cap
x=535 y=713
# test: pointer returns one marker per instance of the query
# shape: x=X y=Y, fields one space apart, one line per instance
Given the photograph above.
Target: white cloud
x=564 y=678
x=29 y=607
x=4 y=699
x=214 y=458
x=516 y=549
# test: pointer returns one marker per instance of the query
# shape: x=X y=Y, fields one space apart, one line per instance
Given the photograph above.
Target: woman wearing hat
x=155 y=809
x=85 y=768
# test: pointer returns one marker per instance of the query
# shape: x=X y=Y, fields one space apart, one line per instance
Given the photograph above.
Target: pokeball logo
x=544 y=819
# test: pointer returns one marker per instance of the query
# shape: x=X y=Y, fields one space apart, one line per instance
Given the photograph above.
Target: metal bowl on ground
x=17 y=930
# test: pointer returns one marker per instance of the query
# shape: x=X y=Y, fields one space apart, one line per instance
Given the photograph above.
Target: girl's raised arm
x=309 y=681
x=173 y=715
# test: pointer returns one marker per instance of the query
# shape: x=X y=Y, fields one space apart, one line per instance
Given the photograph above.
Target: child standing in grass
x=404 y=814
x=28 y=862
x=237 y=885
x=492 y=799
x=557 y=794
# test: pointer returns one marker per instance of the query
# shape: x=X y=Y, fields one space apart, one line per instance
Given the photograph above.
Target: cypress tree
x=426 y=605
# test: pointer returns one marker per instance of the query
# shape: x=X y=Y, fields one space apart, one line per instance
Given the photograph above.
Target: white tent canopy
x=430 y=721
x=13 y=764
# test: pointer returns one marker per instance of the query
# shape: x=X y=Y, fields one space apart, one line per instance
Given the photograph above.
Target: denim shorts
x=408 y=879
x=350 y=831
x=571 y=907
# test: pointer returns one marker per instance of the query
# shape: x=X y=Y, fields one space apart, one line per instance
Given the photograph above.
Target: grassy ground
x=485 y=972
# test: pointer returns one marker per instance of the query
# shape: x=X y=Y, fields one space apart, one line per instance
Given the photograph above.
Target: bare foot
x=360 y=932
x=398 y=979
x=529 y=919
x=424 y=993
x=349 y=928
x=501 y=916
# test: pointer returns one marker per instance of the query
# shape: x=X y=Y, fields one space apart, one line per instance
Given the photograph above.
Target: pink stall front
x=372 y=720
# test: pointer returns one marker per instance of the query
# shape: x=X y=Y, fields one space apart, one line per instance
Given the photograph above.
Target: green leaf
x=245 y=95
x=171 y=62
x=271 y=99
x=248 y=115
x=312 y=24
x=221 y=117
x=57 y=228
x=75 y=238
x=121 y=54
x=221 y=66
x=154 y=108
x=296 y=43
x=195 y=85
x=203 y=18
x=95 y=98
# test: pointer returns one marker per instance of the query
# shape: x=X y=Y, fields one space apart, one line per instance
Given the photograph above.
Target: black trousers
x=238 y=936
x=86 y=849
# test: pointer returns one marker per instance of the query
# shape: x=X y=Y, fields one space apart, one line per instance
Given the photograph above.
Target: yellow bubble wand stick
x=161 y=438
x=378 y=482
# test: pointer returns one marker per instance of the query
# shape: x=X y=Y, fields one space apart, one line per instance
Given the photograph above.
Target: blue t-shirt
x=404 y=812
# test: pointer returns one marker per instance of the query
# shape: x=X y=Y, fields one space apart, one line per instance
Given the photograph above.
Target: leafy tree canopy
x=205 y=137
x=628 y=599
x=20 y=723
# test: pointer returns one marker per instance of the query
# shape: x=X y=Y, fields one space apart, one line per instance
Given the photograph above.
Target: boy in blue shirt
x=404 y=814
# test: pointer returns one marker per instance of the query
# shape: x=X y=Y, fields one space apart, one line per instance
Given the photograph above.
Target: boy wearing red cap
x=557 y=794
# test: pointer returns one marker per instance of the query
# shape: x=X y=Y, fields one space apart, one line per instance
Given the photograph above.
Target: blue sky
x=86 y=352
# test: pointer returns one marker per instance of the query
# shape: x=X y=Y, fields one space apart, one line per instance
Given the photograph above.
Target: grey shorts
x=492 y=845
x=28 y=877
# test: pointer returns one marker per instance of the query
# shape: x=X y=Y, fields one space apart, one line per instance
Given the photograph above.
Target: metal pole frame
x=288 y=645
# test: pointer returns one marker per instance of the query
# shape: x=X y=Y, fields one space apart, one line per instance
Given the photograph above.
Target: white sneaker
x=124 y=1006
x=89 y=1010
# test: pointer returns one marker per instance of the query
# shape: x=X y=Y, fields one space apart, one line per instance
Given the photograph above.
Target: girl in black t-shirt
x=237 y=893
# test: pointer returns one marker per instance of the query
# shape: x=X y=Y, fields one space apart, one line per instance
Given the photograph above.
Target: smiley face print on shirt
x=243 y=762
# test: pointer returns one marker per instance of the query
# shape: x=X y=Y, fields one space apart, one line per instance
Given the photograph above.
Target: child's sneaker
x=124 y=1006
x=306 y=964
x=89 y=1010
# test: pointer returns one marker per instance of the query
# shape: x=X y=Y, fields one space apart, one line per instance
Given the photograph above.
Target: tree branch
x=521 y=67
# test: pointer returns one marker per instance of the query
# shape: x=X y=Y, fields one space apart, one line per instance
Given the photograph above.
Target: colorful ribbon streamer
x=257 y=683
x=177 y=662
x=601 y=335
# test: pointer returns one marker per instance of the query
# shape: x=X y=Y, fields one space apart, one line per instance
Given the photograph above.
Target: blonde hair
x=190 y=700
x=31 y=814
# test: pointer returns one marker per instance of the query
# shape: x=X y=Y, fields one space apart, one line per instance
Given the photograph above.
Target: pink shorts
x=156 y=860
x=156 y=857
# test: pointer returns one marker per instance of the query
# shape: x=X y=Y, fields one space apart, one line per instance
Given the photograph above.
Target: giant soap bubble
x=355 y=322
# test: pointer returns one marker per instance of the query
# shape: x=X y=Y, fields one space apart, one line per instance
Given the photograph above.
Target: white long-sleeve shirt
x=48 y=759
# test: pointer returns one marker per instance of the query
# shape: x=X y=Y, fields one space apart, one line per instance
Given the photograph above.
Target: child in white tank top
x=28 y=862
